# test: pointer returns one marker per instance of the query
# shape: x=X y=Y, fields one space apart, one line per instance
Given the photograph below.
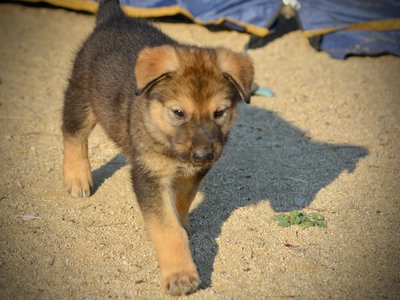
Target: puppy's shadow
x=106 y=171
x=266 y=159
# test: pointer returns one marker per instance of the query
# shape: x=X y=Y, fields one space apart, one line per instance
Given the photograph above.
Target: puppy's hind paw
x=78 y=184
x=77 y=173
x=78 y=190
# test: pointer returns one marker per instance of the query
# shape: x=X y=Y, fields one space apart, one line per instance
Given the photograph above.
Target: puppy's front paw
x=78 y=179
x=182 y=283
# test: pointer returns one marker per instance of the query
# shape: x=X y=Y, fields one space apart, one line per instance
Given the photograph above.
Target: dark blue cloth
x=324 y=14
x=343 y=43
x=313 y=15
x=255 y=12
x=335 y=13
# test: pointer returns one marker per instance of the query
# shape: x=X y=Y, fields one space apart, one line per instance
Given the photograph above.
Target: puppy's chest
x=188 y=171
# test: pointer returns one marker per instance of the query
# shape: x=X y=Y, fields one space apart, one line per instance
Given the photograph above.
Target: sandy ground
x=329 y=138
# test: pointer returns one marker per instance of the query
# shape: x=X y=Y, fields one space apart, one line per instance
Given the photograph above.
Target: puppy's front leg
x=157 y=202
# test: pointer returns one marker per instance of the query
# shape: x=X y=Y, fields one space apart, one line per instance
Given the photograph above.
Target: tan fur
x=77 y=172
x=77 y=175
x=172 y=246
x=159 y=165
x=153 y=62
x=186 y=189
x=239 y=66
x=173 y=254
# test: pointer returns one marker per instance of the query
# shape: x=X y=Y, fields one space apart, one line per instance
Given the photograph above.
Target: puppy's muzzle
x=202 y=156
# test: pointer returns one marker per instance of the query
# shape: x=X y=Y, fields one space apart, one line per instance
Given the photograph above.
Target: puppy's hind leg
x=78 y=122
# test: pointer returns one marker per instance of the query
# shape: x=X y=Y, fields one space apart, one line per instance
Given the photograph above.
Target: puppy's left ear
x=238 y=70
x=153 y=65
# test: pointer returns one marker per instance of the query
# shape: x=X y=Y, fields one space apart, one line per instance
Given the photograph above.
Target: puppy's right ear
x=153 y=65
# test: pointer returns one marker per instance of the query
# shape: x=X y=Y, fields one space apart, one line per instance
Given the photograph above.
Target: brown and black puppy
x=169 y=108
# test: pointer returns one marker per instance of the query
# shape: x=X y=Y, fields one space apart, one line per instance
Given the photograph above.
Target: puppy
x=168 y=107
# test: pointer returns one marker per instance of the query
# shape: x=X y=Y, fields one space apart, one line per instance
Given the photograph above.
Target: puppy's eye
x=219 y=113
x=179 y=114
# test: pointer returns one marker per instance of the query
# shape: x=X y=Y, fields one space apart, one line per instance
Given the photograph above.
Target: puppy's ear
x=153 y=65
x=238 y=70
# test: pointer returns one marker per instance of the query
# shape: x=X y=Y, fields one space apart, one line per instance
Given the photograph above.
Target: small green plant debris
x=302 y=219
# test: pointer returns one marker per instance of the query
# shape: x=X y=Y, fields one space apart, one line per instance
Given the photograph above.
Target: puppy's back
x=115 y=31
x=103 y=71
x=112 y=48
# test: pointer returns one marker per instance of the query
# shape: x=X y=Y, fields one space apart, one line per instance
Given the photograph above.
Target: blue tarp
x=313 y=16
x=237 y=13
x=255 y=12
x=331 y=21
x=325 y=14
x=361 y=42
x=328 y=13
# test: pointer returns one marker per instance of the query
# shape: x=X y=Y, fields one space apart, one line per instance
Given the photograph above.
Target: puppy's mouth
x=199 y=159
x=200 y=164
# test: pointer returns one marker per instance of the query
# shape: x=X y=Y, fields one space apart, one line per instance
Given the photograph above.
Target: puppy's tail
x=108 y=9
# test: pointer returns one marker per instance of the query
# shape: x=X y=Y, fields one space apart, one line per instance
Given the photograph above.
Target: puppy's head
x=191 y=96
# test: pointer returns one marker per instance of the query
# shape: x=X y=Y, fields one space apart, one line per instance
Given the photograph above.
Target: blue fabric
x=255 y=12
x=323 y=14
x=340 y=44
x=328 y=13
x=313 y=14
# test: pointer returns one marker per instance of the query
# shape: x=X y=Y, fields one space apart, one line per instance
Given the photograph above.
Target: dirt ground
x=328 y=140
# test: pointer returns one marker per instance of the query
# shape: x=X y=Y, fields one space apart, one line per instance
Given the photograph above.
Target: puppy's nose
x=202 y=155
